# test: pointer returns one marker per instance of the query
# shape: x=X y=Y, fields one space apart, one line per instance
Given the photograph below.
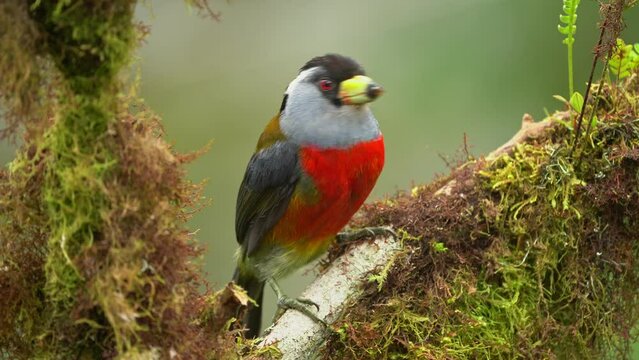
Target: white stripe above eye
x=303 y=76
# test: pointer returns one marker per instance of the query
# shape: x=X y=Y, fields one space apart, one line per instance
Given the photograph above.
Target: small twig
x=610 y=29
x=204 y=5
x=594 y=109
x=583 y=107
x=447 y=162
x=466 y=152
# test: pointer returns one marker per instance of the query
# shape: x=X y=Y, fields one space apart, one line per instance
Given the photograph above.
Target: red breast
x=341 y=180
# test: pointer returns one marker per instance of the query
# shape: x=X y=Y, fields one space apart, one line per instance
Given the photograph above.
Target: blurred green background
x=448 y=67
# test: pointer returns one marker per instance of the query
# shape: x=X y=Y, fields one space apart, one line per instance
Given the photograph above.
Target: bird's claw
x=308 y=302
x=284 y=303
x=346 y=237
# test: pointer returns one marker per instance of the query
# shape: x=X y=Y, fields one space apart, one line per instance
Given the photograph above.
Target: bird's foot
x=284 y=303
x=345 y=237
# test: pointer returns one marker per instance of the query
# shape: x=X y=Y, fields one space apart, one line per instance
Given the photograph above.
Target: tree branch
x=296 y=336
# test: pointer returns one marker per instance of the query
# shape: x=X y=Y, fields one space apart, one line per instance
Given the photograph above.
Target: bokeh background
x=448 y=67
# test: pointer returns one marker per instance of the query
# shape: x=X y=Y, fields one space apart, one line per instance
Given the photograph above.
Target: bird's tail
x=254 y=287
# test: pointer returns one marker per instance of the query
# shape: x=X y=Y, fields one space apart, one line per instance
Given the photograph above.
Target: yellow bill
x=359 y=90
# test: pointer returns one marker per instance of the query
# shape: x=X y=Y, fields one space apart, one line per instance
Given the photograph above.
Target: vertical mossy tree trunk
x=95 y=260
x=88 y=47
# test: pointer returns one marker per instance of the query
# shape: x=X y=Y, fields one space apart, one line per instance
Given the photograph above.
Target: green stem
x=571 y=87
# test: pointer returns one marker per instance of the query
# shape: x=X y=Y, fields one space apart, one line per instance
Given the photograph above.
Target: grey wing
x=264 y=195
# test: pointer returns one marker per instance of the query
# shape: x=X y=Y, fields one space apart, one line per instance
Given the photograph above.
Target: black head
x=337 y=67
x=333 y=69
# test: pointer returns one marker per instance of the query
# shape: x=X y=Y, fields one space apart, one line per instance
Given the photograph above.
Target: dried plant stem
x=588 y=87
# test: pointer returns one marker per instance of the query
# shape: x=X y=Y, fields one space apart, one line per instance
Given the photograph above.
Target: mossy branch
x=339 y=286
x=539 y=260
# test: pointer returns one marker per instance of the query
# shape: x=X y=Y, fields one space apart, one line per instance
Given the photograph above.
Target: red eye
x=326 y=85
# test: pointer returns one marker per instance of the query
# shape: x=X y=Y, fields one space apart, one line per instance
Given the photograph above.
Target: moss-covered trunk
x=95 y=259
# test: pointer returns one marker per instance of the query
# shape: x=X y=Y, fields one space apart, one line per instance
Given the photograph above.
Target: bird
x=314 y=165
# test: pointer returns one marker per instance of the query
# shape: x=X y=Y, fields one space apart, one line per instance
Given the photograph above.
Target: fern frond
x=569 y=19
x=624 y=60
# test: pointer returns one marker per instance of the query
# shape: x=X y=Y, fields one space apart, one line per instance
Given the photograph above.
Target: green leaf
x=624 y=60
x=577 y=101
x=594 y=122
x=439 y=247
x=560 y=98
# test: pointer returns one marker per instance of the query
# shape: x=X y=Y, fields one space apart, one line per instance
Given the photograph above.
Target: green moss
x=540 y=260
x=88 y=41
x=89 y=44
x=95 y=256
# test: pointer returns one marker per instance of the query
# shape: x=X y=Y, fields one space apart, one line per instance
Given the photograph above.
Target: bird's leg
x=349 y=236
x=284 y=303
